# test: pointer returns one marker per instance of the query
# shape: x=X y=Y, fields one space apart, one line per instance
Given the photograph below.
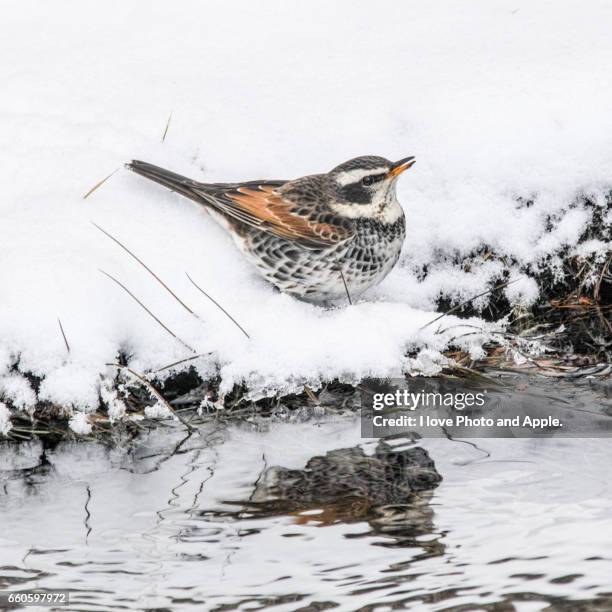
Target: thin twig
x=100 y=183
x=227 y=314
x=458 y=306
x=167 y=126
x=153 y=391
x=144 y=265
x=63 y=334
x=147 y=310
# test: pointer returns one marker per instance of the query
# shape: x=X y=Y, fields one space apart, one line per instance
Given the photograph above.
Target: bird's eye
x=367 y=180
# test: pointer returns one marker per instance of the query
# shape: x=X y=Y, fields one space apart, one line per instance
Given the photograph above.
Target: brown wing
x=287 y=209
x=262 y=206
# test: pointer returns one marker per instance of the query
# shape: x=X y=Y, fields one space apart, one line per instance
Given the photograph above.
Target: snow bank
x=5 y=419
x=502 y=103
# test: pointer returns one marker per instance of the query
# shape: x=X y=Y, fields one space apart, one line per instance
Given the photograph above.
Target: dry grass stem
x=100 y=183
x=148 y=311
x=166 y=130
x=474 y=297
x=154 y=392
x=63 y=334
x=144 y=265
x=348 y=295
x=227 y=314
x=175 y=363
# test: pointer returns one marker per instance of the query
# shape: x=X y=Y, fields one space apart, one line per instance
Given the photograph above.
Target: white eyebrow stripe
x=353 y=176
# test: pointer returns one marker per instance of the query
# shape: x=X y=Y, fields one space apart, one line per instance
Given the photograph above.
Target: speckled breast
x=315 y=274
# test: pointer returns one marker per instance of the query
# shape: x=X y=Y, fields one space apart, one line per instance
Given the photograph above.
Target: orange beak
x=401 y=165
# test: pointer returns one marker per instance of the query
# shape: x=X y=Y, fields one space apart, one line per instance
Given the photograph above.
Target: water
x=172 y=523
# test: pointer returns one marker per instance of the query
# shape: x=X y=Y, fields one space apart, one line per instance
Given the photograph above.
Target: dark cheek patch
x=356 y=192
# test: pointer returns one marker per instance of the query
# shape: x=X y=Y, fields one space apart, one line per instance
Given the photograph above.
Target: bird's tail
x=171 y=180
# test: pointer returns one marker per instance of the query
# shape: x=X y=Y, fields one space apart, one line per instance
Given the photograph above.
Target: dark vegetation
x=575 y=294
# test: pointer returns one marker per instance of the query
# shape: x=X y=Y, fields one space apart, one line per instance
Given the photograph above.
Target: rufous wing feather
x=271 y=212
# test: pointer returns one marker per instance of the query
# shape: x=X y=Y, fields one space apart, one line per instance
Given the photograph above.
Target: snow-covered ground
x=497 y=100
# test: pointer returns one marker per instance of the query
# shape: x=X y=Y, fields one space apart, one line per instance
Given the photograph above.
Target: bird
x=321 y=238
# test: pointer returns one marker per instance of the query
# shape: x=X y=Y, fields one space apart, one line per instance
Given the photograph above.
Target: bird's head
x=365 y=187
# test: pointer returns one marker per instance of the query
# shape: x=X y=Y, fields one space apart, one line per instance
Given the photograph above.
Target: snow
x=111 y=398
x=79 y=423
x=5 y=419
x=16 y=387
x=157 y=411
x=498 y=101
x=522 y=291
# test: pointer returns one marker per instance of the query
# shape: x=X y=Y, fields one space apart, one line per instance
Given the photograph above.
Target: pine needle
x=227 y=314
x=147 y=310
